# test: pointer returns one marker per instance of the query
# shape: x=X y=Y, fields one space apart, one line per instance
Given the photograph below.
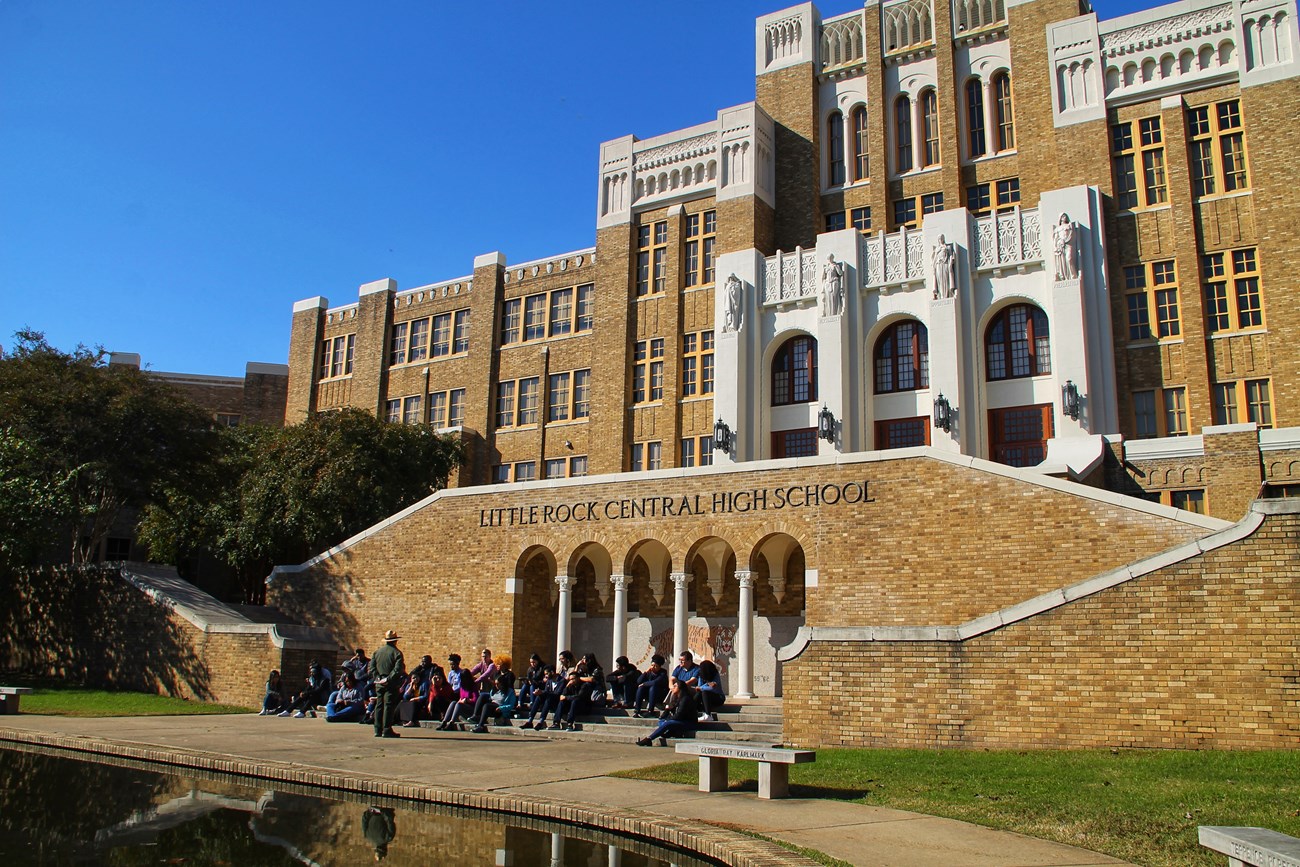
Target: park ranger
x=387 y=668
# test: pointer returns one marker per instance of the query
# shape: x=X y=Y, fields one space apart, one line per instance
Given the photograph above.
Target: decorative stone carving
x=734 y=312
x=1065 y=248
x=832 y=287
x=945 y=269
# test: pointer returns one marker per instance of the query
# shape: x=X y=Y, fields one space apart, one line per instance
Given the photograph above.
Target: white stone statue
x=945 y=269
x=734 y=298
x=832 y=287
x=1065 y=247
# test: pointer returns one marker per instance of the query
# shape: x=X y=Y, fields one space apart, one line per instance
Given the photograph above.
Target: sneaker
x=263 y=712
x=704 y=717
x=480 y=730
x=285 y=713
x=299 y=715
x=663 y=742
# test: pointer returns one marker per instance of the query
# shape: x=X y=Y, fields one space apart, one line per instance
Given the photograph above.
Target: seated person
x=315 y=691
x=440 y=693
x=415 y=696
x=711 y=694
x=679 y=718
x=687 y=671
x=546 y=699
x=590 y=693
x=347 y=704
x=466 y=698
x=359 y=665
x=651 y=688
x=274 y=698
x=485 y=671
x=622 y=682
x=531 y=681
x=499 y=700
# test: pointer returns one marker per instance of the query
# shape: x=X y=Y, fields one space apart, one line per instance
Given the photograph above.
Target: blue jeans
x=671 y=728
x=344 y=713
x=649 y=691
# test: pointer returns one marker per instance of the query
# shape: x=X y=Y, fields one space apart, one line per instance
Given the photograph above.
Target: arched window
x=1002 y=111
x=975 y=118
x=861 y=165
x=902 y=358
x=903 y=134
x=1018 y=343
x=930 y=128
x=835 y=147
x=794 y=372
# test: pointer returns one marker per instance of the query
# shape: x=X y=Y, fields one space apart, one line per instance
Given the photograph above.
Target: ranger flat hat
x=390 y=636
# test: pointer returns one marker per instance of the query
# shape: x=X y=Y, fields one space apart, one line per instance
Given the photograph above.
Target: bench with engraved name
x=773 y=765
x=1251 y=847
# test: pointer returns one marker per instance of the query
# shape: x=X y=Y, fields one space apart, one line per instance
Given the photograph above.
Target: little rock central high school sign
x=687 y=505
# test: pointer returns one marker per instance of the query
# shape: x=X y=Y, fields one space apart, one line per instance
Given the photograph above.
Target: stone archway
x=777 y=577
x=535 y=603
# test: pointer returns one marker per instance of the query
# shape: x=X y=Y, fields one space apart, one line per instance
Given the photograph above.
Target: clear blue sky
x=176 y=173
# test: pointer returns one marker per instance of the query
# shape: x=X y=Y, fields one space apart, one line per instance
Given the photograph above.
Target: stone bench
x=773 y=765
x=9 y=697
x=1251 y=847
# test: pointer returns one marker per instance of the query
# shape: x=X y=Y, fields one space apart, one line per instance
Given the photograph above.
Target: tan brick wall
x=1196 y=655
x=789 y=97
x=947 y=543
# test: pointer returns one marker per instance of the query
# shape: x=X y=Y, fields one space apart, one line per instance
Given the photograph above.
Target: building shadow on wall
x=87 y=626
x=323 y=597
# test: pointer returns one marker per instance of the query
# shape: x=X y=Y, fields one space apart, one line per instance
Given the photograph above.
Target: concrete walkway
x=575 y=771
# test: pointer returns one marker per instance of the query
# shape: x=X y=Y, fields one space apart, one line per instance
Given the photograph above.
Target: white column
x=745 y=636
x=620 y=583
x=557 y=850
x=680 y=580
x=615 y=856
x=564 y=622
x=990 y=134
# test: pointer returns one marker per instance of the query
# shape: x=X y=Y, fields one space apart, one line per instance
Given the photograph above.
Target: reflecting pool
x=56 y=810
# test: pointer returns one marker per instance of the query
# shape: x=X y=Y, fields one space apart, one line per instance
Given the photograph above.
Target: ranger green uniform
x=387 y=667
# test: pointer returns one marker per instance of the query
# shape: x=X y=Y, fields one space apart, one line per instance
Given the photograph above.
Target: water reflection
x=56 y=810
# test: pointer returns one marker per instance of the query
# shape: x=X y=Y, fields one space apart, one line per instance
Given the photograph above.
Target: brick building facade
x=1014 y=269
x=1011 y=231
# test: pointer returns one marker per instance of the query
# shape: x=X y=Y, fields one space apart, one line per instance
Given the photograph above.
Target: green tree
x=82 y=442
x=280 y=495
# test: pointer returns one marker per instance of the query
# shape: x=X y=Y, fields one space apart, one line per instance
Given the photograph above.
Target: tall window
x=419 y=345
x=701 y=238
x=794 y=372
x=1018 y=343
x=411 y=410
x=835 y=148
x=1175 y=411
x=535 y=317
x=697 y=363
x=584 y=315
x=441 y=335
x=460 y=333
x=557 y=399
x=581 y=393
x=1152 y=288
x=1144 y=153
x=861 y=162
x=336 y=356
x=652 y=258
x=561 y=312
x=438 y=409
x=1252 y=394
x=1002 y=115
x=506 y=404
x=647 y=456
x=975 y=140
x=456 y=407
x=1218 y=149
x=1144 y=415
x=697 y=451
x=902 y=358
x=903 y=134
x=648 y=371
x=930 y=127
x=397 y=350
x=528 y=401
x=1232 y=301
x=511 y=319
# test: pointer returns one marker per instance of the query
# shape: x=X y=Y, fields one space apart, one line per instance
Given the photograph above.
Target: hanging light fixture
x=942 y=413
x=826 y=424
x=1070 y=400
x=721 y=436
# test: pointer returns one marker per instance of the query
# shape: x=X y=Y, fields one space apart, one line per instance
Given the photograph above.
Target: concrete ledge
x=710 y=841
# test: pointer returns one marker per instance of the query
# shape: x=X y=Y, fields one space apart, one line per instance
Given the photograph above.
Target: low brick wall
x=1197 y=653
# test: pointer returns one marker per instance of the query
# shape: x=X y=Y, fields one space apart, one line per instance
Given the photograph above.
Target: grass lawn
x=1141 y=806
x=79 y=701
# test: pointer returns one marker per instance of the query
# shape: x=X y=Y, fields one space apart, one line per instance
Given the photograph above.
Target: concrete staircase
x=754 y=720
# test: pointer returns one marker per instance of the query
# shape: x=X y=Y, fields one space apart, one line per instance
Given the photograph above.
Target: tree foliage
x=280 y=495
x=80 y=442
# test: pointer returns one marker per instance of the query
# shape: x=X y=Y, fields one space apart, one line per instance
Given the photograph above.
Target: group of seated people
x=490 y=690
